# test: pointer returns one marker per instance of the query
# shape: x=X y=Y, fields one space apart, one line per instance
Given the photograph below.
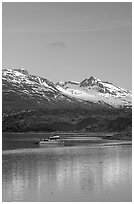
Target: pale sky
x=69 y=41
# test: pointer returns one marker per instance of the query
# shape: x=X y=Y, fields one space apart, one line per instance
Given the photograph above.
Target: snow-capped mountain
x=97 y=91
x=22 y=90
x=20 y=81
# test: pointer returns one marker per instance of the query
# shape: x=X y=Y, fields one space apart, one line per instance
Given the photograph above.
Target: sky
x=69 y=41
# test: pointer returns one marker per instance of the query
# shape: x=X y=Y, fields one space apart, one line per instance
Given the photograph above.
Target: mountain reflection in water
x=68 y=174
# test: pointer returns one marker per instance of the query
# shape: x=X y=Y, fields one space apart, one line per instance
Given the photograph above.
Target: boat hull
x=51 y=143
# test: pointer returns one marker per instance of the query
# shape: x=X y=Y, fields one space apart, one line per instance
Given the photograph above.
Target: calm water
x=81 y=173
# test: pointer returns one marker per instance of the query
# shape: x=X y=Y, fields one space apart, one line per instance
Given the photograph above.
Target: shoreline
x=117 y=142
x=97 y=144
x=28 y=141
x=30 y=150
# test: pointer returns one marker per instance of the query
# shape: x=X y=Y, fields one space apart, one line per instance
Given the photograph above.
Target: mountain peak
x=22 y=71
x=87 y=82
x=14 y=71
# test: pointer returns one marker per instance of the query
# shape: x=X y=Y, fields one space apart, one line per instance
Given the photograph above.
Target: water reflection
x=68 y=174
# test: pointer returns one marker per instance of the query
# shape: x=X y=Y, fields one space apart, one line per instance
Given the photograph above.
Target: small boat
x=54 y=140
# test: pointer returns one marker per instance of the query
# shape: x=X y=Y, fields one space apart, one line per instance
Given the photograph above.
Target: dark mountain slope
x=68 y=120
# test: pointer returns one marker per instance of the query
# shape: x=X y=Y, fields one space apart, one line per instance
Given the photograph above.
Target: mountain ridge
x=19 y=85
x=33 y=103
